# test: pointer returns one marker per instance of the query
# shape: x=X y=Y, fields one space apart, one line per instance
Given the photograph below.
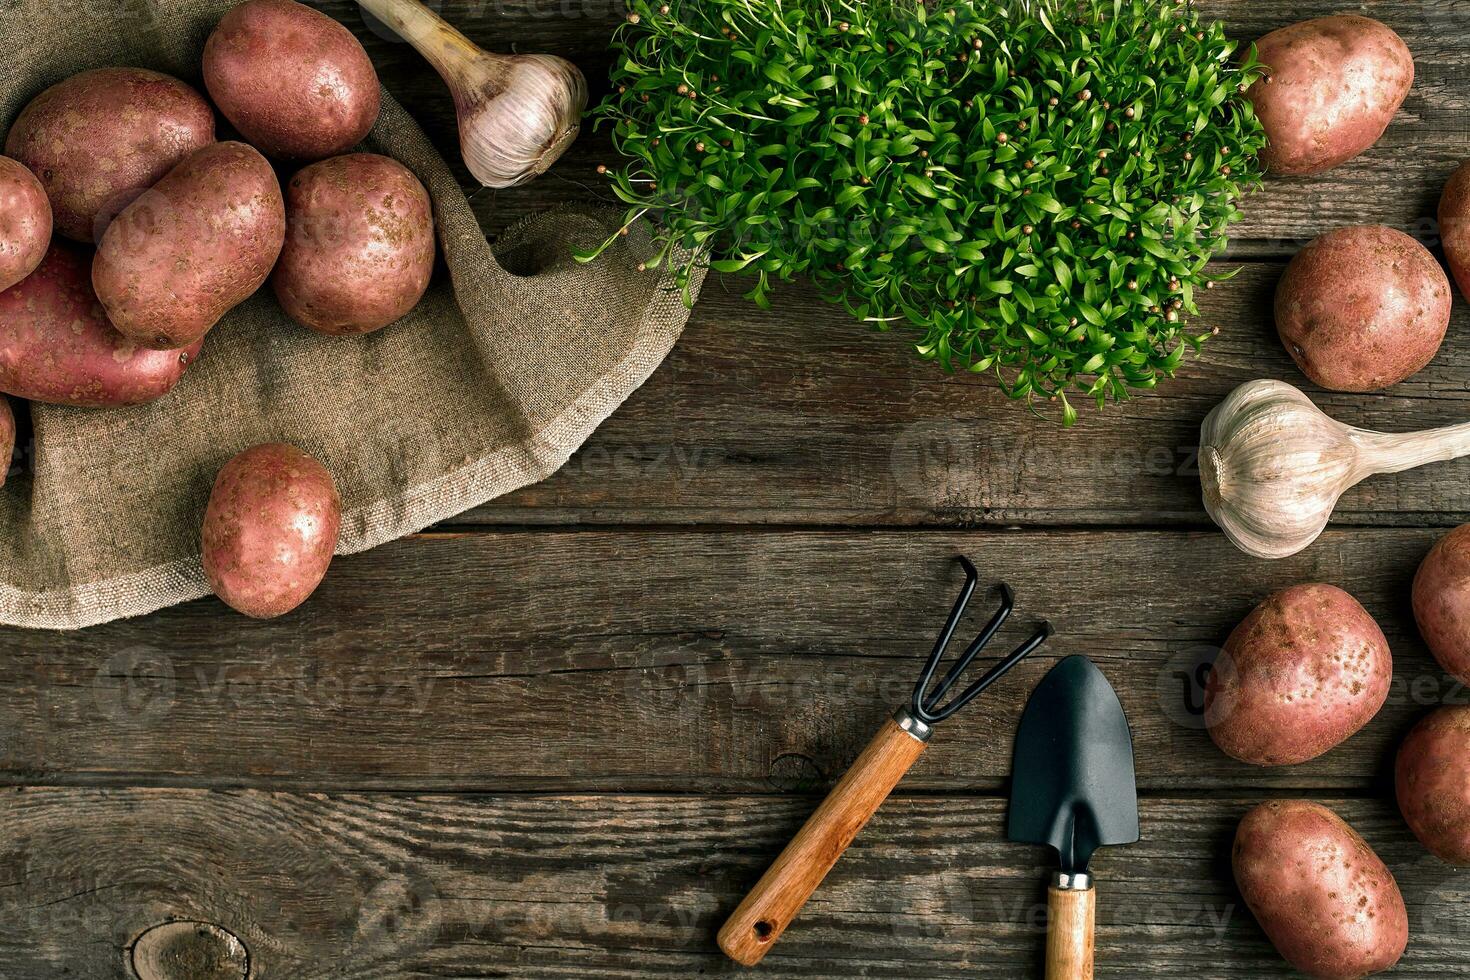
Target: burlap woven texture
x=509 y=363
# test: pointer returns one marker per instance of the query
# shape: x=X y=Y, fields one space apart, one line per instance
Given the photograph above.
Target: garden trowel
x=1073 y=788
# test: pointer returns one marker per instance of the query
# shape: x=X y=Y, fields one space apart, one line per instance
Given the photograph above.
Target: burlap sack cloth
x=509 y=363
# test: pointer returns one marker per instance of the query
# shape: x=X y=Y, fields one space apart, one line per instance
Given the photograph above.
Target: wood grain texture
x=561 y=887
x=798 y=415
x=761 y=918
x=683 y=661
x=638 y=662
x=1071 y=932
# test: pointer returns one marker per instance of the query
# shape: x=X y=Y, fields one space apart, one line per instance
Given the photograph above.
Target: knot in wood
x=189 y=951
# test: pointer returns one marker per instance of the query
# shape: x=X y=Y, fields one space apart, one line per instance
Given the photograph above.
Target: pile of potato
x=1307 y=669
x=185 y=229
x=1301 y=674
x=1363 y=307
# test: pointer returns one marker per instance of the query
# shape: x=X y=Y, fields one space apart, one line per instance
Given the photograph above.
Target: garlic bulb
x=517 y=113
x=1273 y=465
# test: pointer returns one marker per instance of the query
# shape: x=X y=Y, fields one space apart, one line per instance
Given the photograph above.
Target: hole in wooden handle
x=764 y=931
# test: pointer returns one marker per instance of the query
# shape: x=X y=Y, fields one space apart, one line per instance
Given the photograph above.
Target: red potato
x=1362 y=308
x=295 y=82
x=1432 y=780
x=25 y=222
x=197 y=245
x=1324 y=898
x=1454 y=225
x=101 y=138
x=1304 y=671
x=1334 y=83
x=359 y=244
x=270 y=530
x=57 y=347
x=7 y=438
x=1442 y=601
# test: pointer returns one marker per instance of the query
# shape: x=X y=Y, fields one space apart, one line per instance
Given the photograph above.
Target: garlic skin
x=1273 y=465
x=518 y=113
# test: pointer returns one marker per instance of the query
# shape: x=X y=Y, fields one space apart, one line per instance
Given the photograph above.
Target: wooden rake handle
x=768 y=909
x=1071 y=905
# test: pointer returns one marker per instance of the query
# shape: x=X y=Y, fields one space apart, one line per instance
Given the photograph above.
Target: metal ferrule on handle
x=1071 y=881
x=918 y=729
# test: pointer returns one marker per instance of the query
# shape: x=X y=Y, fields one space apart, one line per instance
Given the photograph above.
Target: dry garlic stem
x=1273 y=464
x=517 y=113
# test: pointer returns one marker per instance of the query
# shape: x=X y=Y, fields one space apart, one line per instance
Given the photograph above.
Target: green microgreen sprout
x=1031 y=188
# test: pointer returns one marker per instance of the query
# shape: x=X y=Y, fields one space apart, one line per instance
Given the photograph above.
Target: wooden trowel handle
x=770 y=906
x=1071 y=913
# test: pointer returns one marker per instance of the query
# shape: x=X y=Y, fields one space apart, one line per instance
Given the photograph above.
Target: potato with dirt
x=359 y=244
x=270 y=530
x=1331 y=88
x=1362 y=308
x=1327 y=902
x=195 y=246
x=57 y=347
x=1303 y=672
x=1432 y=780
x=99 y=139
x=294 y=82
x=7 y=438
x=25 y=222
x=1454 y=225
x=1442 y=602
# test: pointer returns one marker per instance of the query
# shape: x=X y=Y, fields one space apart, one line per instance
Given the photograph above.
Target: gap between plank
x=305 y=785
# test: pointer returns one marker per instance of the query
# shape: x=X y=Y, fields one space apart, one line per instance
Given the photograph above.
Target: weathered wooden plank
x=686 y=660
x=1397 y=182
x=800 y=415
x=381 y=886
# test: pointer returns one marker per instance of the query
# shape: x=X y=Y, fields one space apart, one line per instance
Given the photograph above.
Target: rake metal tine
x=993 y=674
x=972 y=576
x=1007 y=603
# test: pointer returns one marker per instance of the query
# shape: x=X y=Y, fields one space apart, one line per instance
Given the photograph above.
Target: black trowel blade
x=1073 y=785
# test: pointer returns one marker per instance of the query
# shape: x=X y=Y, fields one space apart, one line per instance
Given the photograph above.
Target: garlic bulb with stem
x=1273 y=465
x=517 y=112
